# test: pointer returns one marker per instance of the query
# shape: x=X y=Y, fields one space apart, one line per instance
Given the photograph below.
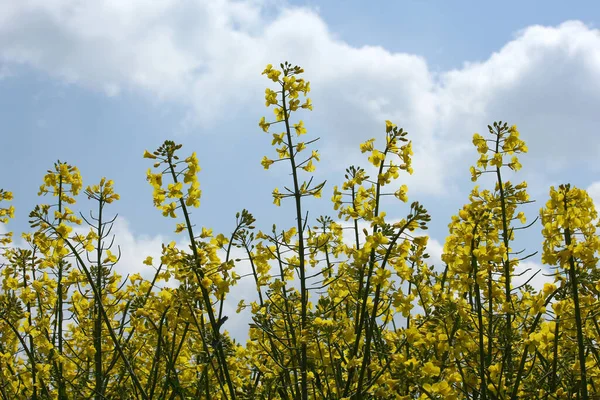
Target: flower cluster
x=346 y=308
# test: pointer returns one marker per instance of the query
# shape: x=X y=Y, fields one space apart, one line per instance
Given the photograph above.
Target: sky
x=97 y=83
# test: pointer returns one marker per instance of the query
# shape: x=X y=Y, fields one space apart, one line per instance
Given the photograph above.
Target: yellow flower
x=63 y=230
x=515 y=165
x=154 y=179
x=299 y=127
x=307 y=104
x=430 y=370
x=263 y=124
x=169 y=210
x=165 y=295
x=376 y=158
x=6 y=195
x=268 y=69
x=220 y=240
x=402 y=193
x=206 y=282
x=147 y=154
x=193 y=196
x=110 y=258
x=174 y=190
x=266 y=163
x=270 y=97
x=206 y=233
x=277 y=139
x=279 y=114
x=389 y=126
x=309 y=167
x=276 y=197
x=367 y=146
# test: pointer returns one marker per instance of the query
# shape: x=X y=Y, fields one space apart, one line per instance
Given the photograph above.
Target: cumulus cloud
x=545 y=80
x=179 y=51
x=536 y=275
x=594 y=192
x=207 y=56
x=134 y=250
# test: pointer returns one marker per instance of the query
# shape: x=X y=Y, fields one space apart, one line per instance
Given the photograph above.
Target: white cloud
x=594 y=192
x=435 y=250
x=208 y=55
x=182 y=51
x=134 y=250
x=545 y=81
x=526 y=272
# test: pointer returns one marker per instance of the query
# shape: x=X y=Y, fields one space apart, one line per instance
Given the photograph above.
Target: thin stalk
x=507 y=275
x=555 y=356
x=62 y=389
x=578 y=321
x=532 y=329
x=362 y=311
x=482 y=361
x=301 y=267
x=109 y=327
x=98 y=374
x=222 y=359
x=289 y=326
x=29 y=320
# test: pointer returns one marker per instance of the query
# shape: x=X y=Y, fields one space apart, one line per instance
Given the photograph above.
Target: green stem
x=97 y=316
x=222 y=359
x=578 y=321
x=62 y=390
x=507 y=274
x=361 y=312
x=301 y=267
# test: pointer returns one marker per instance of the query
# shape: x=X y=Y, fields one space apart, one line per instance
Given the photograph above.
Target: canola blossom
x=365 y=318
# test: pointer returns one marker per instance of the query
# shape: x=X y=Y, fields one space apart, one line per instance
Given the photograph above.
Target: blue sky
x=446 y=33
x=97 y=83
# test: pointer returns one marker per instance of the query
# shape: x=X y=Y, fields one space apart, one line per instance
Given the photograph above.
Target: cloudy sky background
x=97 y=83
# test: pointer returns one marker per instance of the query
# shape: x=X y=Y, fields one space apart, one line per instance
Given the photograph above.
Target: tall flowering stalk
x=286 y=101
x=203 y=256
x=572 y=244
x=56 y=182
